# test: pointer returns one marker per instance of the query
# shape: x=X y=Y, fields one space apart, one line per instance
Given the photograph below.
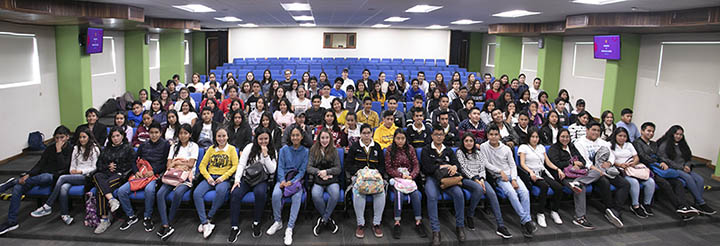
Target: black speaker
x=147 y=38
x=541 y=43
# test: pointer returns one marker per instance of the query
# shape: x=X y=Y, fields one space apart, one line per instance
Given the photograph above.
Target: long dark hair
x=255 y=150
x=272 y=125
x=89 y=146
x=317 y=150
x=119 y=130
x=335 y=126
x=243 y=124
x=602 y=121
x=394 y=148
x=266 y=80
x=560 y=131
x=465 y=151
x=547 y=119
x=669 y=145
x=175 y=126
x=532 y=130
x=184 y=127
x=613 y=137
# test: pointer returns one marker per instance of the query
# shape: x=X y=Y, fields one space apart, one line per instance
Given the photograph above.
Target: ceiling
x=365 y=13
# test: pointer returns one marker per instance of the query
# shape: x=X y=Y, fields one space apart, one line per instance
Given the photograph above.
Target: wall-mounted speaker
x=541 y=43
x=147 y=38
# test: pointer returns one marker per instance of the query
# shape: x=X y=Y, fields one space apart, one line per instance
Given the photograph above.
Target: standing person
x=82 y=163
x=324 y=168
x=625 y=158
x=362 y=154
x=218 y=164
x=502 y=166
x=99 y=130
x=292 y=163
x=626 y=122
x=535 y=162
x=182 y=156
x=401 y=164
x=472 y=166
x=257 y=162
x=346 y=81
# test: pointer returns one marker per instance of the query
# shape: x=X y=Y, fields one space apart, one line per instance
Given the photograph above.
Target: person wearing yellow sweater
x=384 y=133
x=367 y=115
x=218 y=164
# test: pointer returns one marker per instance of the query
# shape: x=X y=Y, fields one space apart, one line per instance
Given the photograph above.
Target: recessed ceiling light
x=597 y=2
x=304 y=18
x=516 y=13
x=396 y=19
x=195 y=8
x=380 y=25
x=423 y=8
x=436 y=27
x=228 y=19
x=296 y=6
x=307 y=24
x=248 y=25
x=465 y=22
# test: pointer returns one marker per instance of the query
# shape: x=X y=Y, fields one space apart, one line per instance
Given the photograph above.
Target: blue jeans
x=432 y=191
x=520 y=198
x=62 y=186
x=333 y=191
x=178 y=193
x=19 y=190
x=221 y=191
x=695 y=184
x=648 y=190
x=123 y=194
x=277 y=199
x=415 y=202
x=476 y=195
x=236 y=196
x=359 y=201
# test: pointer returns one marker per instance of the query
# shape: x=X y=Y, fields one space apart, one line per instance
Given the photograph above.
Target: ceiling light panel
x=381 y=26
x=307 y=24
x=248 y=25
x=304 y=18
x=195 y=8
x=396 y=19
x=465 y=22
x=228 y=19
x=516 y=13
x=436 y=27
x=597 y=2
x=423 y=8
x=296 y=6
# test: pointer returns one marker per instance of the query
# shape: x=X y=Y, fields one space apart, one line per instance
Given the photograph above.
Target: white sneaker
x=288 y=236
x=208 y=229
x=200 y=228
x=114 y=205
x=274 y=228
x=44 y=210
x=541 y=220
x=556 y=217
x=103 y=226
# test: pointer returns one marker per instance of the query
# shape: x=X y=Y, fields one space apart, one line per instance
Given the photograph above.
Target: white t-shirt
x=347 y=82
x=147 y=105
x=186 y=118
x=326 y=103
x=187 y=152
x=206 y=132
x=624 y=154
x=534 y=158
x=504 y=132
x=301 y=106
x=169 y=133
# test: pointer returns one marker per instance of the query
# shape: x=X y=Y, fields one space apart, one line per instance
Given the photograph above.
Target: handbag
x=446 y=180
x=255 y=173
x=573 y=173
x=294 y=187
x=175 y=176
x=639 y=171
x=137 y=184
x=368 y=181
x=669 y=173
x=406 y=186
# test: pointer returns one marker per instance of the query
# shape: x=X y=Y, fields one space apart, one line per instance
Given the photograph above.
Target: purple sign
x=607 y=47
x=94 y=42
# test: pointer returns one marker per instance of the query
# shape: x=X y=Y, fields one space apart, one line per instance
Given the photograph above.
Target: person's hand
x=561 y=174
x=282 y=184
x=264 y=150
x=60 y=143
x=606 y=165
x=211 y=182
x=687 y=169
x=503 y=176
x=482 y=184
x=23 y=179
x=452 y=170
x=237 y=184
x=75 y=171
x=112 y=167
x=663 y=166
x=510 y=144
x=137 y=145
x=219 y=180
x=533 y=177
x=322 y=173
x=406 y=177
x=514 y=184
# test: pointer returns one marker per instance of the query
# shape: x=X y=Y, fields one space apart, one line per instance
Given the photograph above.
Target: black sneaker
x=317 y=229
x=161 y=231
x=470 y=223
x=7 y=227
x=168 y=232
x=584 y=223
x=527 y=230
x=687 y=210
x=612 y=217
x=129 y=222
x=460 y=232
x=234 y=232
x=256 y=230
x=706 y=209
x=6 y=185
x=148 y=224
x=688 y=217
x=420 y=230
x=503 y=232
x=332 y=226
x=396 y=231
x=648 y=209
x=639 y=212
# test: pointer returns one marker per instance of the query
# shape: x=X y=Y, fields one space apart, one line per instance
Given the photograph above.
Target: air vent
x=576 y=21
x=136 y=14
x=693 y=16
x=40 y=7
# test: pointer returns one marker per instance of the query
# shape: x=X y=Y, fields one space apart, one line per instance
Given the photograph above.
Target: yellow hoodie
x=384 y=135
x=222 y=162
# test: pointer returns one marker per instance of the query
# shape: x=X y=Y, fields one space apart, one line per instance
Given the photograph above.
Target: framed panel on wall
x=339 y=40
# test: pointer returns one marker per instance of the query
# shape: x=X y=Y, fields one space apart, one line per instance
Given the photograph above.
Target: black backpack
x=35 y=141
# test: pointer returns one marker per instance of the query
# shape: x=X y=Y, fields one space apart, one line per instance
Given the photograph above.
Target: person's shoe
x=7 y=227
x=208 y=229
x=114 y=205
x=41 y=211
x=148 y=224
x=67 y=219
x=436 y=238
x=6 y=185
x=556 y=217
x=533 y=226
x=103 y=226
x=234 y=233
x=639 y=212
x=575 y=186
x=706 y=209
x=688 y=217
x=527 y=229
x=360 y=232
x=257 y=232
x=129 y=222
x=460 y=231
x=200 y=228
x=648 y=209
x=377 y=231
x=276 y=226
x=332 y=226
x=161 y=231
x=687 y=210
x=541 y=220
x=168 y=232
x=318 y=226
x=420 y=230
x=503 y=232
x=397 y=230
x=288 y=236
x=611 y=216
x=584 y=223
x=470 y=223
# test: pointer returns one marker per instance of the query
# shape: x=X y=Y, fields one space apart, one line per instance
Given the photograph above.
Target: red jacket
x=225 y=105
x=492 y=95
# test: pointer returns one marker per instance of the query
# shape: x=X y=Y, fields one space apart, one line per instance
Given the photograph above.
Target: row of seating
x=315 y=60
x=409 y=72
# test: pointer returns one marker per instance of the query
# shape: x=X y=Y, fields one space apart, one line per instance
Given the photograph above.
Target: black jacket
x=357 y=158
x=314 y=117
x=197 y=128
x=452 y=138
x=457 y=104
x=522 y=136
x=53 y=162
x=419 y=139
x=430 y=159
x=99 y=131
x=240 y=137
x=546 y=135
x=513 y=135
x=647 y=152
x=155 y=153
x=122 y=155
x=562 y=158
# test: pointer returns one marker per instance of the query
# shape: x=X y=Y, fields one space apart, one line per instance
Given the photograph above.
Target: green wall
x=137 y=62
x=717 y=166
x=73 y=76
x=549 y=63
x=621 y=75
x=172 y=54
x=475 y=50
x=198 y=53
x=507 y=56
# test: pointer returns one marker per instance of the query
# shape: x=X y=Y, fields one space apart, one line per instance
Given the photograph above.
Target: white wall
x=31 y=107
x=687 y=92
x=154 y=54
x=529 y=60
x=188 y=60
x=581 y=74
x=308 y=42
x=108 y=69
x=488 y=65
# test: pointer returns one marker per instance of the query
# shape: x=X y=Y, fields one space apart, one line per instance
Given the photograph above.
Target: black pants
x=544 y=184
x=672 y=189
x=106 y=184
x=622 y=189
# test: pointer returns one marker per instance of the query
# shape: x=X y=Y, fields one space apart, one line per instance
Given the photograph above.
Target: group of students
x=254 y=141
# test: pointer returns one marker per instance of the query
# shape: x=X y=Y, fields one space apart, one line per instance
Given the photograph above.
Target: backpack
x=109 y=107
x=137 y=184
x=91 y=218
x=35 y=141
x=368 y=181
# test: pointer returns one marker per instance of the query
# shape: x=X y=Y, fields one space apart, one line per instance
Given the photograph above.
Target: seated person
x=181 y=156
x=142 y=133
x=204 y=130
x=419 y=132
x=536 y=171
x=550 y=129
x=134 y=116
x=417 y=102
x=464 y=113
x=523 y=127
x=626 y=122
x=578 y=129
x=366 y=153
x=401 y=163
x=474 y=126
x=579 y=108
x=452 y=137
x=324 y=168
x=337 y=91
x=399 y=117
x=443 y=106
x=563 y=154
x=384 y=133
x=626 y=157
x=99 y=130
x=326 y=98
x=367 y=115
x=315 y=114
x=508 y=136
x=414 y=90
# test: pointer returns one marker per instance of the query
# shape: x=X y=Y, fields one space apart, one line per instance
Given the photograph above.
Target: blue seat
x=480 y=105
x=197 y=97
x=377 y=107
x=77 y=190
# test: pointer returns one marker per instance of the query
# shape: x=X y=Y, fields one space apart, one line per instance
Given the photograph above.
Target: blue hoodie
x=291 y=158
